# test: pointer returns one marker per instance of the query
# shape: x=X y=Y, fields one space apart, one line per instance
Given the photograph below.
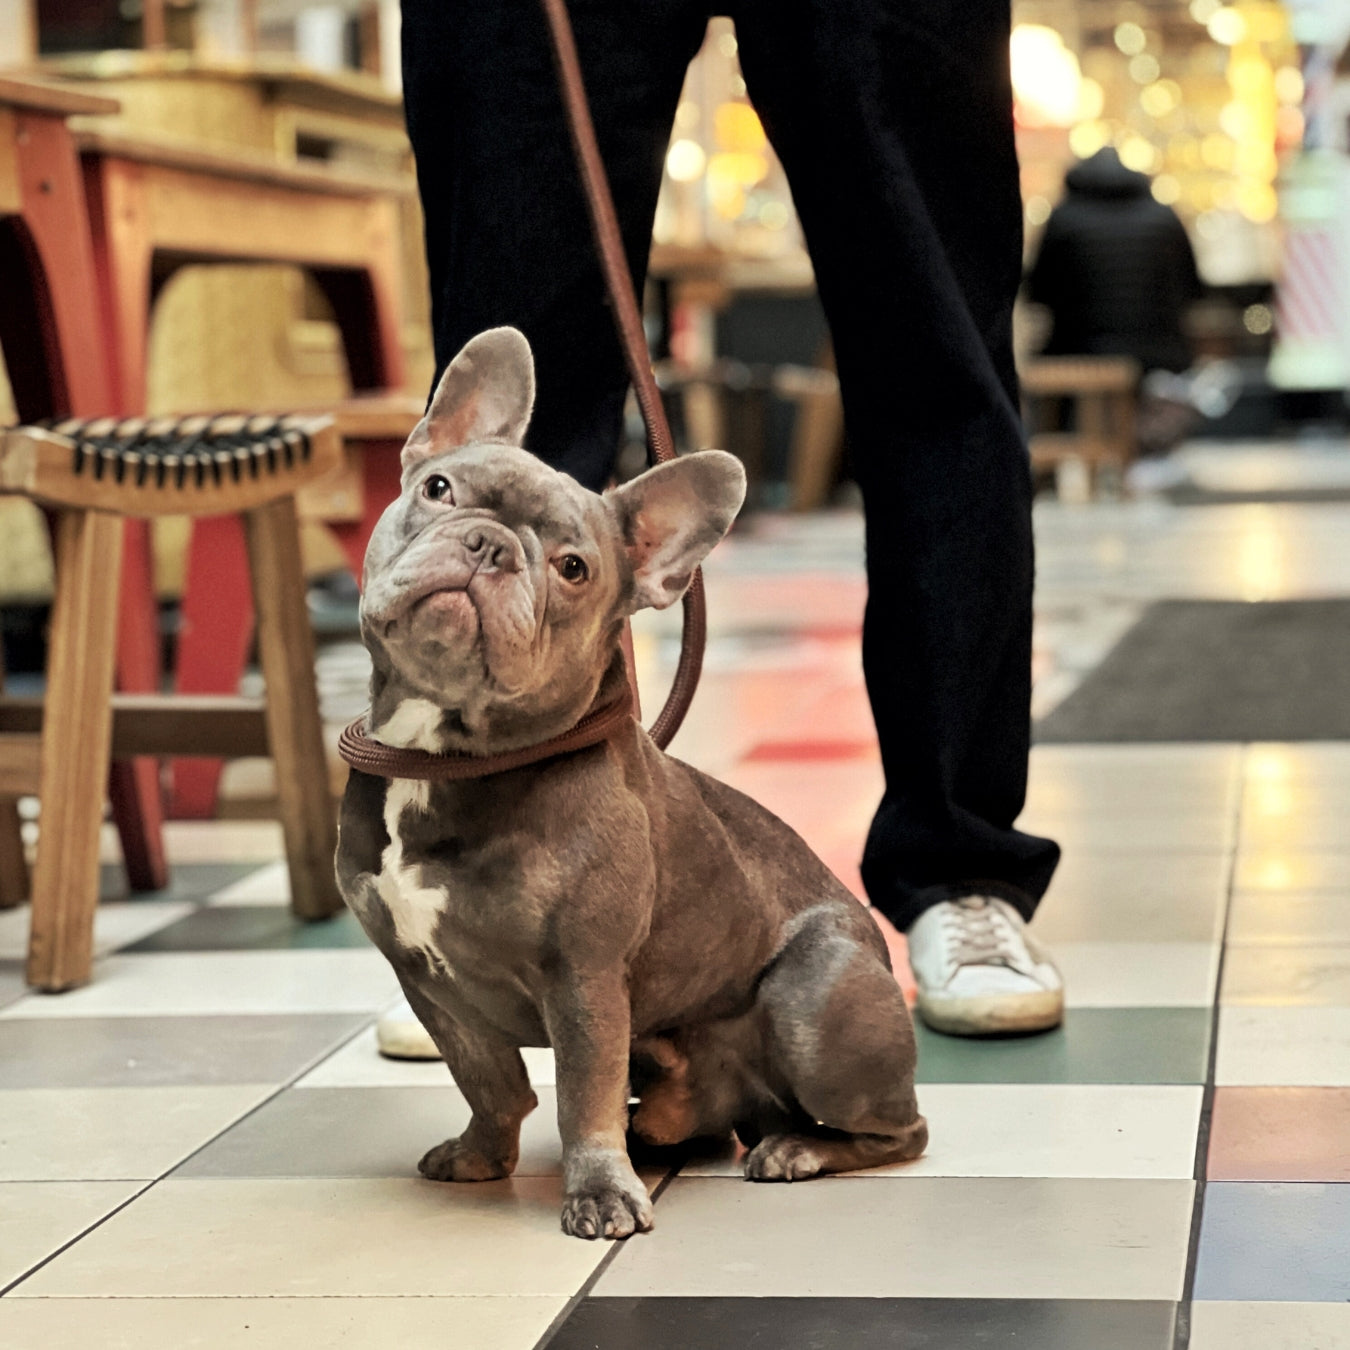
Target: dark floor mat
x=1211 y=670
x=1188 y=494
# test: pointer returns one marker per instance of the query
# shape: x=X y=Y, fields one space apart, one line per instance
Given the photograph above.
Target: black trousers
x=893 y=120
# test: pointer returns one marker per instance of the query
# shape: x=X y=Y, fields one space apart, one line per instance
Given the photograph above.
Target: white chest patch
x=414 y=723
x=414 y=908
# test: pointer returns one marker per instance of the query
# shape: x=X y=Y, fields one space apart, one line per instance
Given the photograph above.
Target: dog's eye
x=437 y=489
x=573 y=569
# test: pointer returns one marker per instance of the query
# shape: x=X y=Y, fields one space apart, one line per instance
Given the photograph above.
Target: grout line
x=79 y=1237
x=607 y=1260
x=309 y=1064
x=1181 y=1333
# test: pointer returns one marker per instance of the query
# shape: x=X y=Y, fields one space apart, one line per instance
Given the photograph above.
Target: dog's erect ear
x=486 y=394
x=671 y=516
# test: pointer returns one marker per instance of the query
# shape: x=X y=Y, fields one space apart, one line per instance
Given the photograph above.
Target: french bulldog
x=665 y=934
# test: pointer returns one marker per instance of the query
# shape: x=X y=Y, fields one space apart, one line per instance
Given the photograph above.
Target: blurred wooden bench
x=1102 y=392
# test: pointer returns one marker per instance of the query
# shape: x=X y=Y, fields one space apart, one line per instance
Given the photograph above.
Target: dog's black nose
x=483 y=549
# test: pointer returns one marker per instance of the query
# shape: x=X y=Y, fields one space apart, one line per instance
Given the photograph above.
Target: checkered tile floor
x=202 y=1148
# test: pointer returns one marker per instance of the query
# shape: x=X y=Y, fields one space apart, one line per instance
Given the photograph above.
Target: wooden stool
x=1104 y=394
x=94 y=474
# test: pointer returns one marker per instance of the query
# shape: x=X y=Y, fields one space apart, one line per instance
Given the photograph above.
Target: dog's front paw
x=783 y=1157
x=455 y=1160
x=616 y=1207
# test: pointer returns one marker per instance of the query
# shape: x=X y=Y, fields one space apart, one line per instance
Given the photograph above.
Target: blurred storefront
x=1237 y=111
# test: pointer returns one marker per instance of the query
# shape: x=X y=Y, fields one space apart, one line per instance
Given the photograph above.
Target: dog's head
x=496 y=587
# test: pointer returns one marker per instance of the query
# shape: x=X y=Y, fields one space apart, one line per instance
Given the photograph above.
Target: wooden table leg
x=213 y=644
x=134 y=785
x=381 y=478
x=14 y=881
x=77 y=729
x=286 y=646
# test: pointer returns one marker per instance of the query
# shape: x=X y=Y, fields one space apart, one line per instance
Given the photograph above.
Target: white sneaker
x=400 y=1035
x=980 y=972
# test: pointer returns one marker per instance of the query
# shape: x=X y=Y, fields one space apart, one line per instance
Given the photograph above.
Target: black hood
x=1105 y=176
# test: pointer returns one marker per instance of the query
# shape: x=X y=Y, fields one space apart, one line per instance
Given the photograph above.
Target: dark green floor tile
x=12 y=984
x=187 y=881
x=1095 y=1045
x=234 y=928
x=865 y=1324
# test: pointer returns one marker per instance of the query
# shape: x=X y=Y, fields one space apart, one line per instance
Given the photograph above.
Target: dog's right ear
x=486 y=394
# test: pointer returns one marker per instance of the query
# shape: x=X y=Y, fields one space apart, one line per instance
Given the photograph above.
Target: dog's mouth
x=450 y=607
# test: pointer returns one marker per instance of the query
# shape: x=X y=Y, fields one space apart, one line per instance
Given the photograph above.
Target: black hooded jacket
x=1115 y=269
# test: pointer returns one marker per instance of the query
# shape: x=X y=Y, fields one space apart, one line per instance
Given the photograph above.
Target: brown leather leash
x=356 y=746
x=628 y=320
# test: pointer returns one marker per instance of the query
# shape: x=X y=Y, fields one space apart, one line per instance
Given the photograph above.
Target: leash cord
x=628 y=321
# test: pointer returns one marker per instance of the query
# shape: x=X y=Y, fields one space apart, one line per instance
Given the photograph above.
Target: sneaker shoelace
x=980 y=935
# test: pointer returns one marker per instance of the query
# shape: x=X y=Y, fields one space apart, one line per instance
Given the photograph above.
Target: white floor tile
x=1137 y=974
x=37 y=1217
x=112 y=1134
x=1043 y=1130
x=924 y=1238
x=276 y=1323
x=1103 y=896
x=334 y=1238
x=1270 y=1326
x=1105 y=830
x=1283 y=1047
x=159 y=984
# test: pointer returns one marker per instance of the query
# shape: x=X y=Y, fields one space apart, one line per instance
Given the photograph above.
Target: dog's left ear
x=672 y=516
x=486 y=394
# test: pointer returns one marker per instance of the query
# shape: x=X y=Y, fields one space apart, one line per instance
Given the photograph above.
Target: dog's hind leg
x=841 y=1040
x=700 y=1087
x=492 y=1077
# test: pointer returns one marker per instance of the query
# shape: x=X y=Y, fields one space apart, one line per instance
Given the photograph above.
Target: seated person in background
x=1115 y=269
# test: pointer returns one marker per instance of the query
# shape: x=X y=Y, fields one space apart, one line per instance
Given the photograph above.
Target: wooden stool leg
x=14 y=878
x=13 y=864
x=134 y=786
x=77 y=731
x=286 y=647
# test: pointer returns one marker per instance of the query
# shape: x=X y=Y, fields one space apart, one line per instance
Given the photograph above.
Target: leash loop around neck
x=373 y=757
x=628 y=321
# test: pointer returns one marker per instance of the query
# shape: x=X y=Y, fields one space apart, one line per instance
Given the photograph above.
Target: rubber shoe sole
x=996 y=1015
x=404 y=1039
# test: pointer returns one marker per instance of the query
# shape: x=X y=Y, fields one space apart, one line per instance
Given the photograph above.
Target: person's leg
x=894 y=125
x=507 y=234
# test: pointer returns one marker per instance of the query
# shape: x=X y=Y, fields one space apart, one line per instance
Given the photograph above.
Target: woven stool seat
x=196 y=465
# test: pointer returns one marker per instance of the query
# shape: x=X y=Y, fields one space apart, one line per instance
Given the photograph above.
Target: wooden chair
x=1103 y=391
x=94 y=475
